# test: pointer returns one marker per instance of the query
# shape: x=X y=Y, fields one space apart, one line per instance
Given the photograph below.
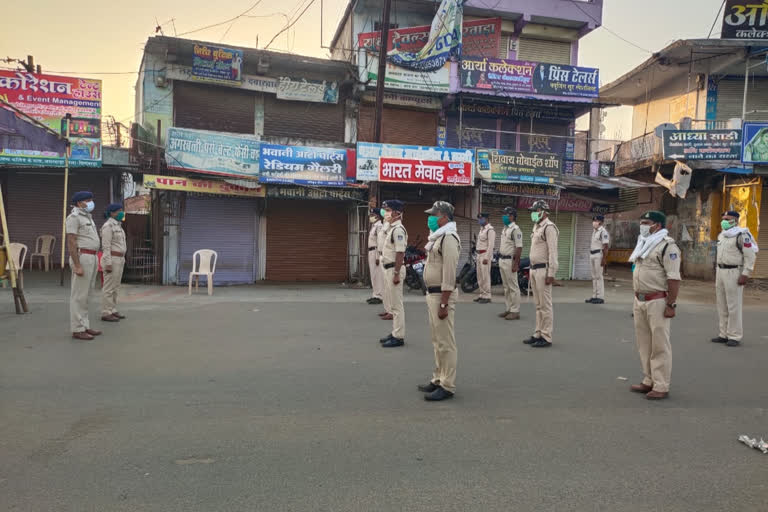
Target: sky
x=92 y=39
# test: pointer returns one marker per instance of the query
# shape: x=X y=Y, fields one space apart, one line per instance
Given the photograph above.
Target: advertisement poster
x=215 y=64
x=207 y=152
x=202 y=186
x=48 y=99
x=755 y=143
x=301 y=89
x=369 y=154
x=702 y=144
x=501 y=165
x=525 y=77
x=521 y=189
x=745 y=19
x=398 y=170
x=303 y=165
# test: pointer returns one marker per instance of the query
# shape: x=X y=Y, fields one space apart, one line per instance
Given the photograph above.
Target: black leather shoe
x=719 y=340
x=385 y=338
x=590 y=301
x=393 y=342
x=531 y=340
x=428 y=388
x=733 y=343
x=374 y=300
x=542 y=343
x=477 y=299
x=484 y=301
x=598 y=301
x=438 y=395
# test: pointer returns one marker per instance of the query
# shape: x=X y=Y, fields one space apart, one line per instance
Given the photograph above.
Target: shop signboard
x=301 y=89
x=755 y=140
x=521 y=189
x=48 y=99
x=202 y=186
x=434 y=172
x=520 y=112
x=325 y=194
x=566 y=203
x=745 y=19
x=499 y=165
x=225 y=154
x=702 y=144
x=369 y=154
x=216 y=64
x=303 y=165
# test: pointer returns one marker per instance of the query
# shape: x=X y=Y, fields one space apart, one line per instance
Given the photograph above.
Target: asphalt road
x=252 y=404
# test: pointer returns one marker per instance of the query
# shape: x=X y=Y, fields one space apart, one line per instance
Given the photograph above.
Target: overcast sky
x=89 y=37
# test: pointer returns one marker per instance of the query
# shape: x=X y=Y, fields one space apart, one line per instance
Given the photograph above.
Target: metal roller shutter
x=400 y=126
x=465 y=227
x=730 y=99
x=300 y=119
x=225 y=225
x=218 y=109
x=504 y=45
x=761 y=265
x=542 y=50
x=307 y=240
x=582 y=267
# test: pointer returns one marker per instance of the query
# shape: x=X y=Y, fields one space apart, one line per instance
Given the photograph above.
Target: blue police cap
x=81 y=196
x=394 y=205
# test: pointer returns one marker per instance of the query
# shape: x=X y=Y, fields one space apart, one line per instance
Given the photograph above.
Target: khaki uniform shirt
x=80 y=223
x=373 y=234
x=600 y=237
x=395 y=240
x=380 y=237
x=442 y=261
x=728 y=252
x=544 y=246
x=651 y=274
x=486 y=239
x=112 y=239
x=511 y=239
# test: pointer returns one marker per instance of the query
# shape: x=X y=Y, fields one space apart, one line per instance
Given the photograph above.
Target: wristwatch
x=443 y=306
x=673 y=306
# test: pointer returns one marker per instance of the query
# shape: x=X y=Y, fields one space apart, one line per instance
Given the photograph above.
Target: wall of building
x=668 y=103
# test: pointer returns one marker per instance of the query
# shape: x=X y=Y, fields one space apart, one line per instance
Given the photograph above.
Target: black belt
x=371 y=249
x=538 y=266
x=727 y=266
x=435 y=289
x=389 y=265
x=595 y=252
x=502 y=257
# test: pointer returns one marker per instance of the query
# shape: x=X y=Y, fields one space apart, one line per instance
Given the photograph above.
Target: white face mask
x=645 y=230
x=89 y=206
x=373 y=219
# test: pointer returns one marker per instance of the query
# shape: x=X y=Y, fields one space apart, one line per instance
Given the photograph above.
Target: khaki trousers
x=484 y=275
x=729 y=300
x=443 y=341
x=80 y=289
x=395 y=293
x=511 y=286
x=542 y=297
x=652 y=337
x=598 y=285
x=111 y=288
x=377 y=276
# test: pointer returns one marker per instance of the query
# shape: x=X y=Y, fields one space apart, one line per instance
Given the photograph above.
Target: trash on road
x=753 y=443
x=621 y=378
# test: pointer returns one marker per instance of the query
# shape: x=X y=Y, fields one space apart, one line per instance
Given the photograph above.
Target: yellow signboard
x=202 y=186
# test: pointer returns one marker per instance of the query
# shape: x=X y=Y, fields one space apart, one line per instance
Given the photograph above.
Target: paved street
x=280 y=398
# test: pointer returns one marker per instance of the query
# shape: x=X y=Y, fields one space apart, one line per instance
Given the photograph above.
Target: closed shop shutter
x=582 y=267
x=504 y=45
x=761 y=265
x=34 y=204
x=401 y=126
x=307 y=240
x=304 y=120
x=542 y=50
x=225 y=225
x=465 y=228
x=730 y=99
x=218 y=109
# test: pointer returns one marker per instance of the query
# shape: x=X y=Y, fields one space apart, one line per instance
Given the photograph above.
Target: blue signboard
x=303 y=165
x=215 y=64
x=755 y=140
x=206 y=152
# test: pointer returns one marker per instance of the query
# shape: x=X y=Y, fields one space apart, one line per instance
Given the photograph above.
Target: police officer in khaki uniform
x=656 y=281
x=387 y=313
x=392 y=255
x=510 y=250
x=544 y=267
x=113 y=249
x=736 y=254
x=598 y=252
x=83 y=244
x=486 y=241
x=377 y=276
x=443 y=249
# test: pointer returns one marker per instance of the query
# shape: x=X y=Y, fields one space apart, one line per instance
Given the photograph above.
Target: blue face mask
x=482 y=221
x=505 y=219
x=432 y=223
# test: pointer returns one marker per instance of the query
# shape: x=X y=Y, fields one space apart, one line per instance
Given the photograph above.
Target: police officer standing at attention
x=598 y=252
x=736 y=254
x=83 y=245
x=392 y=255
x=387 y=314
x=656 y=281
x=486 y=240
x=377 y=276
x=544 y=267
x=509 y=263
x=113 y=249
x=443 y=249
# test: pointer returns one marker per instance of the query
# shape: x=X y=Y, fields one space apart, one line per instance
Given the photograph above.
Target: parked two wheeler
x=468 y=281
x=414 y=260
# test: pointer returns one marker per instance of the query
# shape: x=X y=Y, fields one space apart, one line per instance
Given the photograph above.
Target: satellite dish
x=659 y=131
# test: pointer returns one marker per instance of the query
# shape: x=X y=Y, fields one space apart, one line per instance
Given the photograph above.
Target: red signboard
x=431 y=172
x=566 y=203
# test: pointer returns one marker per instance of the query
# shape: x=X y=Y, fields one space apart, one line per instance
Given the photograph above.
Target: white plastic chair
x=206 y=266
x=44 y=250
x=19 y=254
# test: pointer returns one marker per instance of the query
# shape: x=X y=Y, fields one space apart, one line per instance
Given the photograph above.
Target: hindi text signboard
x=745 y=19
x=755 y=140
x=521 y=189
x=303 y=165
x=499 y=165
x=702 y=144
x=369 y=154
x=216 y=64
x=399 y=170
x=202 y=186
x=225 y=154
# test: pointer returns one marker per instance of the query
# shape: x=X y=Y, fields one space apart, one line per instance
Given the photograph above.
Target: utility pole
x=381 y=75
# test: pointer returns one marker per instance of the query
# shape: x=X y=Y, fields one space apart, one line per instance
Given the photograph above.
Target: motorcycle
x=414 y=260
x=468 y=281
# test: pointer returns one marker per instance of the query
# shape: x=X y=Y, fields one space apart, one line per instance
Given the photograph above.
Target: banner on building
x=216 y=64
x=405 y=100
x=48 y=99
x=504 y=166
x=370 y=153
x=323 y=194
x=521 y=189
x=525 y=77
x=434 y=172
x=519 y=112
x=702 y=144
x=301 y=89
x=566 y=203
x=745 y=19
x=303 y=165
x=755 y=137
x=202 y=186
x=224 y=154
